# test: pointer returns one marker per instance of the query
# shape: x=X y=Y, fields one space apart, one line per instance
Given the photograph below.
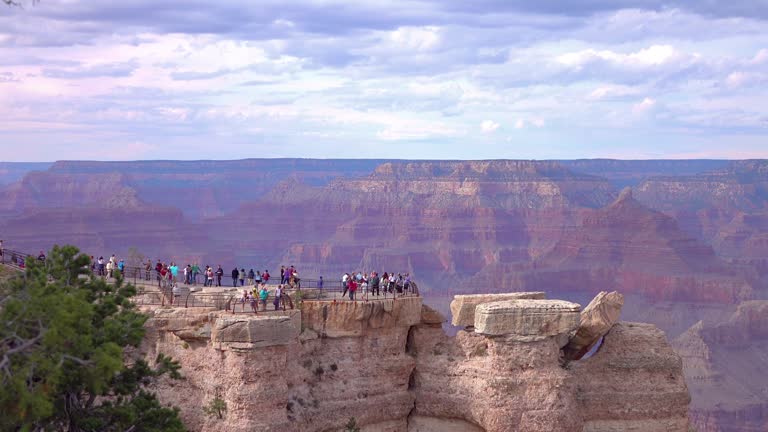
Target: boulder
x=258 y=331
x=463 y=306
x=538 y=318
x=595 y=321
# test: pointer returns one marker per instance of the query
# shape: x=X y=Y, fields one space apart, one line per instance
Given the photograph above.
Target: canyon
x=685 y=241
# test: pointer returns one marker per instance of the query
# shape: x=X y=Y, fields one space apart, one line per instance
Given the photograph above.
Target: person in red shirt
x=352 y=288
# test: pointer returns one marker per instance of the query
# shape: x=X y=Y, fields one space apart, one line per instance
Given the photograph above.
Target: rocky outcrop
x=527 y=318
x=390 y=365
x=634 y=382
x=594 y=322
x=463 y=306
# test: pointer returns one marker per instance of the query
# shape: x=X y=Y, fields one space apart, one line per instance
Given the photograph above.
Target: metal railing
x=154 y=289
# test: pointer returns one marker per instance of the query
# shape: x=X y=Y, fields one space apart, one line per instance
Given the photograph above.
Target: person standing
x=278 y=295
x=375 y=284
x=251 y=277
x=234 y=277
x=209 y=276
x=241 y=276
x=110 y=268
x=257 y=278
x=352 y=289
x=263 y=294
x=147 y=269
x=345 y=284
x=195 y=272
x=219 y=275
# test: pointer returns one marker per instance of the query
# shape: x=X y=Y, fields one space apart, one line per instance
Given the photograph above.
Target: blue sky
x=432 y=79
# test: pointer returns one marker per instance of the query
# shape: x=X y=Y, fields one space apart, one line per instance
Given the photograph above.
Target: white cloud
x=645 y=106
x=519 y=124
x=488 y=126
x=654 y=55
x=607 y=92
x=419 y=39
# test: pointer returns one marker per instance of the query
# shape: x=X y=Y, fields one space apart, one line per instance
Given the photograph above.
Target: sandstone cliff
x=390 y=366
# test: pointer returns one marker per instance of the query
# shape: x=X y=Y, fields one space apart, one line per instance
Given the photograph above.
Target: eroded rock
x=463 y=306
x=594 y=322
x=527 y=318
x=258 y=331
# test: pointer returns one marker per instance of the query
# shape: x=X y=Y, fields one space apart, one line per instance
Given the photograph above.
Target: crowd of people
x=373 y=284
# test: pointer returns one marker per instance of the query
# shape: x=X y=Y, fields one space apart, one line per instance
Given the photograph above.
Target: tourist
x=345 y=283
x=257 y=278
x=278 y=294
x=219 y=275
x=121 y=266
x=41 y=257
x=195 y=272
x=295 y=279
x=148 y=269
x=163 y=274
x=234 y=276
x=263 y=294
x=265 y=277
x=290 y=275
x=110 y=268
x=2 y=253
x=241 y=276
x=244 y=299
x=320 y=284
x=174 y=269
x=158 y=268
x=282 y=275
x=352 y=289
x=375 y=283
x=187 y=274
x=176 y=291
x=209 y=276
x=251 y=277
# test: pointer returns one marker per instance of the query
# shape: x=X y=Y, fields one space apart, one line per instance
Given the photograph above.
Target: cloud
x=323 y=77
x=488 y=126
x=645 y=106
x=89 y=71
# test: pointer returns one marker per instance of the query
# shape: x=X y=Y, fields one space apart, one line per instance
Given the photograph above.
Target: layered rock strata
x=389 y=365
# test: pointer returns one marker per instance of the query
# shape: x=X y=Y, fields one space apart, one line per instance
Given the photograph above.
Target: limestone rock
x=463 y=306
x=527 y=318
x=595 y=321
x=634 y=382
x=356 y=318
x=259 y=331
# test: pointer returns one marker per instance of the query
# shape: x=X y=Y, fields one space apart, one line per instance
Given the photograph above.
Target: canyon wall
x=687 y=243
x=389 y=365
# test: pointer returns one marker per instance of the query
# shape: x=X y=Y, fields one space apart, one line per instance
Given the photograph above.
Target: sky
x=431 y=79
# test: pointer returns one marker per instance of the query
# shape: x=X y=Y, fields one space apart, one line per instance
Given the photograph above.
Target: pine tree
x=63 y=335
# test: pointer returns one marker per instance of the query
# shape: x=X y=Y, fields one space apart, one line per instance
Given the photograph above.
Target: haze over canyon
x=686 y=241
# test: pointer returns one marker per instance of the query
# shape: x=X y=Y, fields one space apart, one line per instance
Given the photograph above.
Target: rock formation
x=594 y=322
x=389 y=365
